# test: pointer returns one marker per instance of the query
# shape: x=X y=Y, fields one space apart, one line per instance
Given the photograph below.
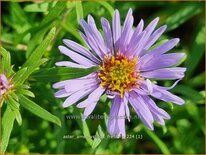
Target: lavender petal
x=165 y=73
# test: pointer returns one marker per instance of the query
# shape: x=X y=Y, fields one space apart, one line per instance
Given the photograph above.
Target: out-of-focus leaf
x=37 y=110
x=86 y=132
x=164 y=129
x=193 y=111
x=38 y=53
x=7 y=125
x=79 y=11
x=98 y=137
x=39 y=7
x=71 y=29
x=198 y=80
x=19 y=17
x=107 y=6
x=70 y=4
x=42 y=28
x=161 y=145
x=183 y=13
x=6 y=61
x=197 y=51
x=189 y=92
x=54 y=13
x=61 y=73
x=34 y=60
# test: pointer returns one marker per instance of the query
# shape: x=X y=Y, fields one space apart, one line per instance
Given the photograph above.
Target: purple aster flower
x=126 y=65
x=4 y=84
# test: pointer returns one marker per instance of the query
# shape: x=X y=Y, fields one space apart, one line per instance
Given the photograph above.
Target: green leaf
x=14 y=96
x=1 y=101
x=198 y=80
x=182 y=14
x=19 y=17
x=197 y=51
x=39 y=51
x=158 y=141
x=37 y=110
x=83 y=125
x=86 y=132
x=72 y=30
x=39 y=31
x=6 y=61
x=19 y=75
x=79 y=11
x=54 y=13
x=35 y=60
x=98 y=137
x=187 y=91
x=39 y=7
x=107 y=6
x=7 y=125
x=36 y=38
x=164 y=129
x=25 y=92
x=61 y=73
x=14 y=105
x=30 y=70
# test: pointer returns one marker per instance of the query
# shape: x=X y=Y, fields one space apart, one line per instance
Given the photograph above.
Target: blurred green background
x=24 y=26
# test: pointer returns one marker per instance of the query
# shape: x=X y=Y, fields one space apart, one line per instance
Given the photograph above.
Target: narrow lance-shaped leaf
x=34 y=60
x=39 y=31
x=18 y=76
x=197 y=50
x=39 y=51
x=84 y=127
x=54 y=13
x=198 y=80
x=30 y=70
x=107 y=6
x=185 y=12
x=5 y=65
x=158 y=141
x=98 y=137
x=25 y=92
x=14 y=105
x=61 y=73
x=7 y=125
x=71 y=29
x=86 y=132
x=187 y=91
x=79 y=10
x=38 y=7
x=37 y=110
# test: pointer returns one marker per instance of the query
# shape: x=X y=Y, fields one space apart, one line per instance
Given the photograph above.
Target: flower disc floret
x=118 y=73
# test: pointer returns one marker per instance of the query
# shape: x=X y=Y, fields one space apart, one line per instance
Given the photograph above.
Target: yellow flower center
x=118 y=73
